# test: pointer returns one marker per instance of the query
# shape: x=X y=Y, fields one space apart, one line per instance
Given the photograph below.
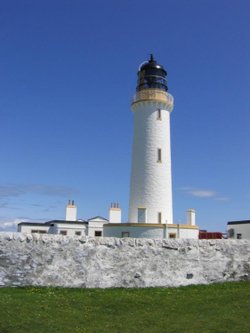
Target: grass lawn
x=197 y=309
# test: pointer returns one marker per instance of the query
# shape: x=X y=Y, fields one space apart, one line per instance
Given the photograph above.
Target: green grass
x=215 y=308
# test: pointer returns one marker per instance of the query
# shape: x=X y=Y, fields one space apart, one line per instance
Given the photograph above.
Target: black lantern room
x=151 y=76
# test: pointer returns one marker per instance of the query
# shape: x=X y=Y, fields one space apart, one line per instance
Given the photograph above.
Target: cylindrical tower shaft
x=151 y=181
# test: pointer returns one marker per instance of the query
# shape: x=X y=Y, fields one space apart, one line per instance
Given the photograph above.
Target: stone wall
x=55 y=260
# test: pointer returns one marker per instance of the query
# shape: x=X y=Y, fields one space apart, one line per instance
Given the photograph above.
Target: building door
x=141 y=215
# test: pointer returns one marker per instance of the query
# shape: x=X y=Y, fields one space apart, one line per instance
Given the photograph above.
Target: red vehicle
x=204 y=234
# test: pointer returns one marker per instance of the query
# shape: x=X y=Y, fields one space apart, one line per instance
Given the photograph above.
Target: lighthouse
x=150 y=198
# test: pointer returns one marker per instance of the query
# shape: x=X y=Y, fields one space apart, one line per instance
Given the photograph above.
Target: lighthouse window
x=158 y=155
x=159 y=114
x=141 y=215
x=159 y=217
x=125 y=234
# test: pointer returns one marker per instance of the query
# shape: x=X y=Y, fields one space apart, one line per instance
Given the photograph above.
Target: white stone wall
x=54 y=260
x=151 y=181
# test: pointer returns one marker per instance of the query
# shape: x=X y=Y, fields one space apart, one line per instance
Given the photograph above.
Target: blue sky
x=68 y=73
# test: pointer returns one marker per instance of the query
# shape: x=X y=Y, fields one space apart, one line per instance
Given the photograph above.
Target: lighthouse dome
x=151 y=75
x=151 y=64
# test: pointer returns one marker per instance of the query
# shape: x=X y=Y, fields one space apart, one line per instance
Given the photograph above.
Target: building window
x=38 y=231
x=78 y=233
x=239 y=236
x=159 y=217
x=158 y=114
x=230 y=233
x=125 y=234
x=98 y=234
x=172 y=235
x=63 y=232
x=159 y=155
x=141 y=215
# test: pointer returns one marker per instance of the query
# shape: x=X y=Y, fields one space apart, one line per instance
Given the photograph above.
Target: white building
x=95 y=226
x=238 y=229
x=147 y=230
x=62 y=227
x=70 y=226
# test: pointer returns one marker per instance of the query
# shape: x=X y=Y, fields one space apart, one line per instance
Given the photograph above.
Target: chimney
x=71 y=211
x=115 y=213
x=191 y=216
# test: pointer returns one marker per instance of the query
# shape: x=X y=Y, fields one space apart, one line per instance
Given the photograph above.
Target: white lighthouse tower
x=151 y=182
x=150 y=201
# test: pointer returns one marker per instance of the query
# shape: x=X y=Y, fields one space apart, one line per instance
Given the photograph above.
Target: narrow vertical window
x=158 y=155
x=141 y=215
x=159 y=217
x=159 y=114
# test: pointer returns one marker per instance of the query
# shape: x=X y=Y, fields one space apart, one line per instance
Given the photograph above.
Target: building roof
x=151 y=225
x=66 y=222
x=33 y=223
x=239 y=222
x=47 y=224
x=97 y=218
x=78 y=222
